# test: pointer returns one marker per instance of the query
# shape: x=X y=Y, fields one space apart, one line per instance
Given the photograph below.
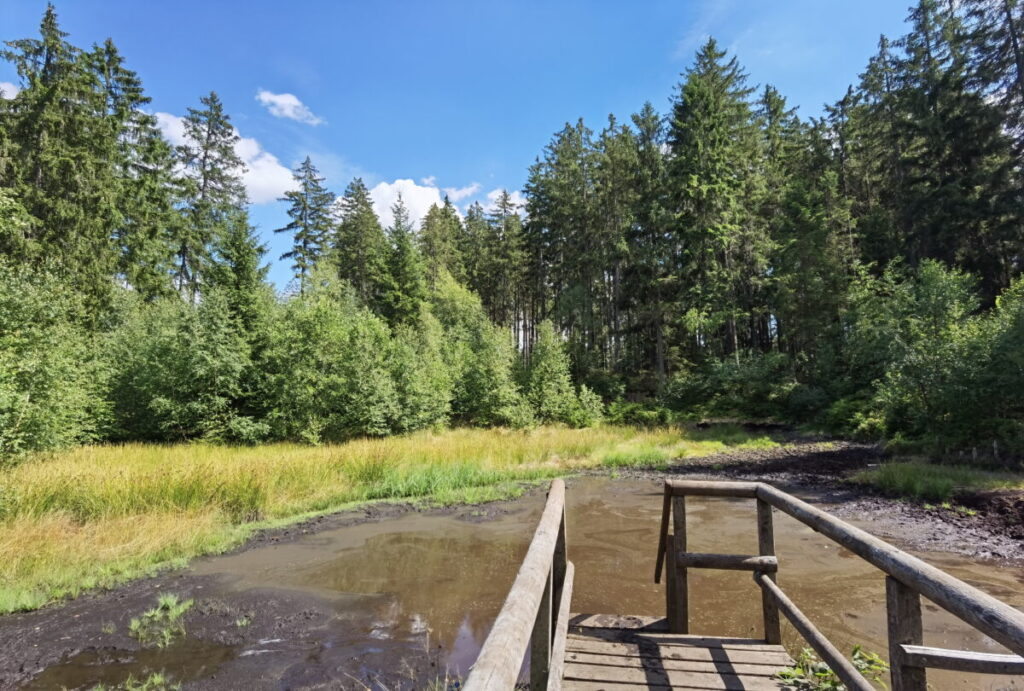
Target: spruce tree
x=311 y=214
x=711 y=140
x=63 y=154
x=439 y=242
x=213 y=192
x=408 y=285
x=360 y=246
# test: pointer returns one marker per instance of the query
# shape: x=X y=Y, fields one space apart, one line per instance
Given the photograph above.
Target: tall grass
x=98 y=515
x=929 y=482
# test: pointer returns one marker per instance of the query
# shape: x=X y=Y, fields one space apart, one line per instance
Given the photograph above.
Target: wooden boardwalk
x=610 y=652
x=613 y=653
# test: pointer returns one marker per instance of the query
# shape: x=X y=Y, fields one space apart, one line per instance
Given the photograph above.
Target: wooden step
x=616 y=653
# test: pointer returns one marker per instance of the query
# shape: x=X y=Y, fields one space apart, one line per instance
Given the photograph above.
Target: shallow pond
x=428 y=587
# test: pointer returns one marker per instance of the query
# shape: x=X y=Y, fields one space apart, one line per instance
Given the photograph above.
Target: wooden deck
x=610 y=652
x=615 y=653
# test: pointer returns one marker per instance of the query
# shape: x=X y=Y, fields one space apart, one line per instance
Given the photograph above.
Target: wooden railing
x=535 y=614
x=907 y=579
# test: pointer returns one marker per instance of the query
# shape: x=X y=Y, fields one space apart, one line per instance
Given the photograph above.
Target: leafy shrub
x=49 y=384
x=626 y=413
x=549 y=385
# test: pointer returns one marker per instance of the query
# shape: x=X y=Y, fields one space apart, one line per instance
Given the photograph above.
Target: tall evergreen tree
x=311 y=214
x=213 y=190
x=360 y=246
x=408 y=284
x=63 y=157
x=439 y=242
x=711 y=140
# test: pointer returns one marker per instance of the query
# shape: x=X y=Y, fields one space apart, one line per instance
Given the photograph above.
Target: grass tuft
x=935 y=483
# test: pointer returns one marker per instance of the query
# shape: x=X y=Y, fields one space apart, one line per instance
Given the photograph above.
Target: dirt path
x=229 y=630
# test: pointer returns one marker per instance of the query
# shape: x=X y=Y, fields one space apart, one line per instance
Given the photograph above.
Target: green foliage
x=938 y=483
x=549 y=386
x=311 y=213
x=49 y=395
x=179 y=372
x=162 y=624
x=810 y=672
x=328 y=369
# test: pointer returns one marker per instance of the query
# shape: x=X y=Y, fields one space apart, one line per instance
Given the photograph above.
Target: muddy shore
x=231 y=633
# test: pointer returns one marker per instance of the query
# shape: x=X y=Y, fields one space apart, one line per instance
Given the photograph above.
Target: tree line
x=858 y=270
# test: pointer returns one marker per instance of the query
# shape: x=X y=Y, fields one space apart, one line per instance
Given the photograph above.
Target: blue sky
x=419 y=97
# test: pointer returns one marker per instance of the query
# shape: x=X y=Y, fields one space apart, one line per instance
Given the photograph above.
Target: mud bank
x=394 y=596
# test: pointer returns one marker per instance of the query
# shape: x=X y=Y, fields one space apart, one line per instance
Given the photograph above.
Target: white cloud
x=8 y=90
x=418 y=199
x=287 y=106
x=265 y=178
x=429 y=181
x=459 y=193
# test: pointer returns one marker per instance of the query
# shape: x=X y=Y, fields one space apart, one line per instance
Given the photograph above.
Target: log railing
x=907 y=579
x=535 y=615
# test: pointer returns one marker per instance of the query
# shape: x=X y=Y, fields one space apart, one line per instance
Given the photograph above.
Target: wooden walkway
x=613 y=653
x=583 y=652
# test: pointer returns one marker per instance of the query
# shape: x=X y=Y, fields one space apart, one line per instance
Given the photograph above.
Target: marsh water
x=432 y=584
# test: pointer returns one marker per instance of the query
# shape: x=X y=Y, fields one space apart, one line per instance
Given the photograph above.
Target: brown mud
x=394 y=596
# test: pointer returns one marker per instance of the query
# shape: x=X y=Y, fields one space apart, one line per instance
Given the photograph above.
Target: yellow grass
x=98 y=515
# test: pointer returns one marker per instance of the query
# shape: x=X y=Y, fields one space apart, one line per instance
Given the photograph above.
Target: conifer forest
x=722 y=256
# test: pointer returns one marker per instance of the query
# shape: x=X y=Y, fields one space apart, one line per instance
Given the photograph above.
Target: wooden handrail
x=907 y=579
x=544 y=578
x=843 y=668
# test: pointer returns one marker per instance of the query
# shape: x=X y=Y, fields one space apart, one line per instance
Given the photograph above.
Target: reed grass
x=932 y=482
x=96 y=516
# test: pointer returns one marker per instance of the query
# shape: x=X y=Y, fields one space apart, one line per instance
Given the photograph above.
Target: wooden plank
x=962 y=660
x=681 y=590
x=727 y=562
x=540 y=638
x=843 y=668
x=673 y=639
x=557 y=666
x=672 y=589
x=632 y=622
x=704 y=666
x=766 y=547
x=501 y=657
x=671 y=678
x=982 y=611
x=712 y=488
x=903 y=611
x=777 y=657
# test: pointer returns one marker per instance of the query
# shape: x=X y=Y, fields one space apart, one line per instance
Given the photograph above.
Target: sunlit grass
x=98 y=515
x=930 y=482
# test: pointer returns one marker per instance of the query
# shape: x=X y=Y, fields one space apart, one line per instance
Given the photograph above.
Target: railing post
x=903 y=610
x=766 y=547
x=540 y=639
x=680 y=623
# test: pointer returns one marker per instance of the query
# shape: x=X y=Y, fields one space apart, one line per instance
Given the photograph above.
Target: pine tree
x=213 y=191
x=408 y=284
x=235 y=268
x=311 y=214
x=360 y=247
x=711 y=140
x=147 y=182
x=651 y=275
x=439 y=242
x=63 y=156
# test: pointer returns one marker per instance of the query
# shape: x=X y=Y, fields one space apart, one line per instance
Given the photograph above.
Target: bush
x=626 y=413
x=329 y=369
x=49 y=383
x=178 y=372
x=549 y=385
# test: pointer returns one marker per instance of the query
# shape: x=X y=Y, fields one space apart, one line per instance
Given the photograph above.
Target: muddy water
x=427 y=587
